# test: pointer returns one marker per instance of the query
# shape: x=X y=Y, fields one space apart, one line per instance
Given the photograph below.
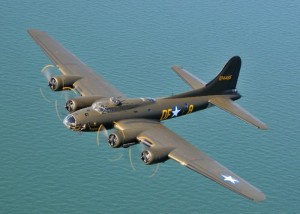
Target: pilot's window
x=99 y=107
x=102 y=109
x=151 y=99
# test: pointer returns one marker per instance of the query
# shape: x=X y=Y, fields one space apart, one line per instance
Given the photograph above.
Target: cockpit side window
x=152 y=100
x=149 y=99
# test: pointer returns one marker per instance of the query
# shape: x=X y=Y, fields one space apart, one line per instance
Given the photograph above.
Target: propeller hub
x=69 y=106
x=145 y=156
x=113 y=140
x=52 y=83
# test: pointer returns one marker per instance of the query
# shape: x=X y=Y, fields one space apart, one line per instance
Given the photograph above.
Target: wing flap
x=235 y=109
x=69 y=64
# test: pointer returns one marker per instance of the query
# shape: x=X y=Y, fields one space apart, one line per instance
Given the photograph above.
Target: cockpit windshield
x=100 y=107
x=149 y=99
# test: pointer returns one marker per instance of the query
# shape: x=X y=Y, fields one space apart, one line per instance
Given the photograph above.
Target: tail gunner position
x=138 y=120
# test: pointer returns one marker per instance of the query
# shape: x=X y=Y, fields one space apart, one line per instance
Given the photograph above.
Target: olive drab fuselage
x=146 y=108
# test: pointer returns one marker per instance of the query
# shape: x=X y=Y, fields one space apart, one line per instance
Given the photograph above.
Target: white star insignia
x=230 y=179
x=175 y=112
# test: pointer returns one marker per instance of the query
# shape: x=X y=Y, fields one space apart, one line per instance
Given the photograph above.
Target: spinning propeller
x=133 y=152
x=137 y=164
x=61 y=102
x=48 y=72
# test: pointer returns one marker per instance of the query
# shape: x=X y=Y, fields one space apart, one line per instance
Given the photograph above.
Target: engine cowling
x=58 y=83
x=155 y=155
x=123 y=138
x=80 y=102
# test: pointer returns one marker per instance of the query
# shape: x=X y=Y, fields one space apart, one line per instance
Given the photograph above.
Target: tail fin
x=226 y=80
x=223 y=83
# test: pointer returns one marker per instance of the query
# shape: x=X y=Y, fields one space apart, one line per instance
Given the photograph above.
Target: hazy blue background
x=44 y=168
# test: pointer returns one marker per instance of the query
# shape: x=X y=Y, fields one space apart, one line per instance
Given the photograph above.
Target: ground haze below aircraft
x=137 y=120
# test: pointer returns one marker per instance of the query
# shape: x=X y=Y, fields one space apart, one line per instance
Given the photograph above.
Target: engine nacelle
x=155 y=155
x=59 y=83
x=123 y=138
x=80 y=102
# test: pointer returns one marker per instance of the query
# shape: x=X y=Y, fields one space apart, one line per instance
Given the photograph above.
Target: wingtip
x=263 y=127
x=175 y=67
x=256 y=195
x=33 y=32
x=260 y=197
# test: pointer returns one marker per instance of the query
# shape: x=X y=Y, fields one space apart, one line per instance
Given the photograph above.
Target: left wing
x=159 y=138
x=69 y=64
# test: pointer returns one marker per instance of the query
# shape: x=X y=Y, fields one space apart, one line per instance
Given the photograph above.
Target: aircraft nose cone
x=70 y=122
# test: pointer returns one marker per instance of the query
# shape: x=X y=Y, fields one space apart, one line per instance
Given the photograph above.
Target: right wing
x=69 y=64
x=159 y=138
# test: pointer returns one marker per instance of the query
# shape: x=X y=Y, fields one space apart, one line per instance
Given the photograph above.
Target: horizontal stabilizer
x=235 y=109
x=189 y=78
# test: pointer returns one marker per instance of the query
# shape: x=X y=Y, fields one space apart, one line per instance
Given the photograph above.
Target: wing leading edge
x=158 y=137
x=69 y=64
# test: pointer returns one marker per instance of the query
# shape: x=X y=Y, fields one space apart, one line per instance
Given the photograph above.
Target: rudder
x=226 y=80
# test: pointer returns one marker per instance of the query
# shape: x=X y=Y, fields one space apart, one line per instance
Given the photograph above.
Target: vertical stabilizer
x=226 y=80
x=223 y=83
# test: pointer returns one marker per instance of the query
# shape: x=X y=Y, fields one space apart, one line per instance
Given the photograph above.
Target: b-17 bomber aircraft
x=137 y=121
